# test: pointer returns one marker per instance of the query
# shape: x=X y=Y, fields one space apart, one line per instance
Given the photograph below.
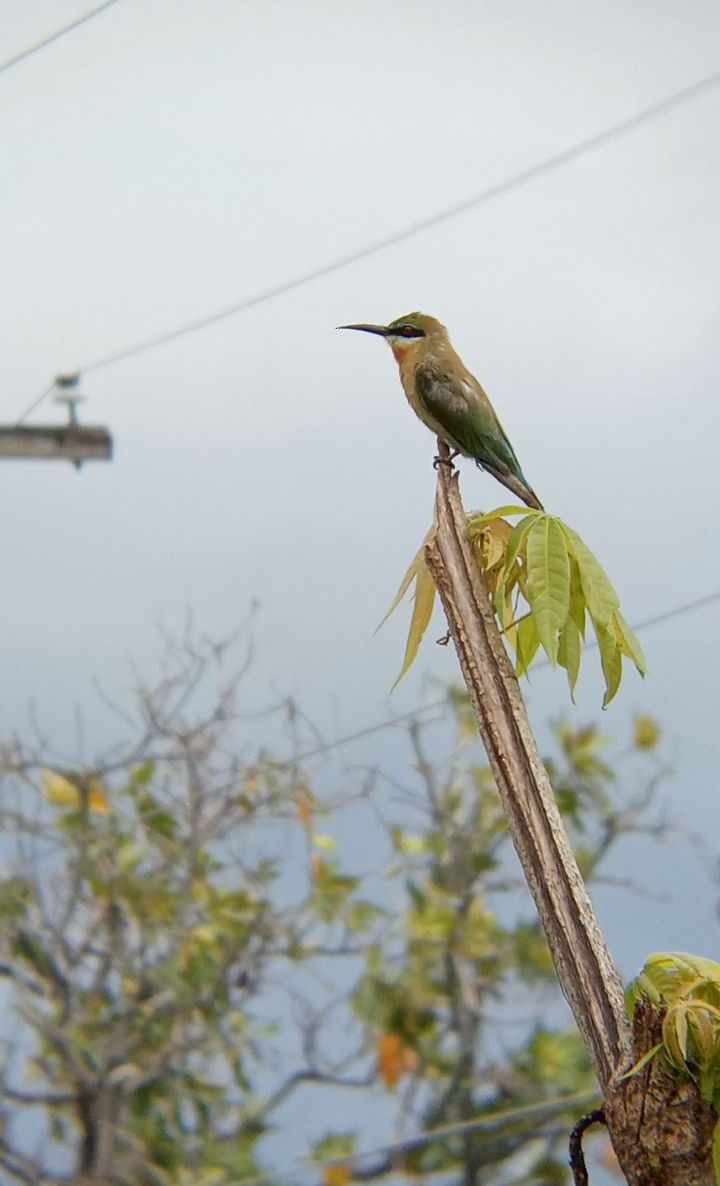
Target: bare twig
x=577 y=1157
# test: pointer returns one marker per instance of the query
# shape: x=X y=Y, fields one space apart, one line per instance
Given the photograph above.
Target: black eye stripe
x=409 y=331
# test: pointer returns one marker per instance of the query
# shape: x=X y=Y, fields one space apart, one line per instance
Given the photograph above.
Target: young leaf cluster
x=687 y=988
x=546 y=586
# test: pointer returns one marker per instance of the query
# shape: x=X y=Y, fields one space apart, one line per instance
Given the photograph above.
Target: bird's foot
x=446 y=460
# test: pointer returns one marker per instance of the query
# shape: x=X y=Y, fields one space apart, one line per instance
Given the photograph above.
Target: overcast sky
x=168 y=159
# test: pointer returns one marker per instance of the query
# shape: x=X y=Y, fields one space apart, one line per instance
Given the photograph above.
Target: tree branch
x=585 y=969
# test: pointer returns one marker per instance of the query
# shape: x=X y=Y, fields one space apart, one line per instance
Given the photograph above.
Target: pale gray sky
x=170 y=158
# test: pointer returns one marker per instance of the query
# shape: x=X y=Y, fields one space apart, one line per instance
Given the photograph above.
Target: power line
x=515 y=181
x=33 y=49
x=645 y=624
x=491 y=1123
x=35 y=404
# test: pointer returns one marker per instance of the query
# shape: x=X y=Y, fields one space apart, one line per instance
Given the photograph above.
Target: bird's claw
x=437 y=460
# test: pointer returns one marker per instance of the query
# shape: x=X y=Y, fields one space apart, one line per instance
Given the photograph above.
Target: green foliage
x=545 y=583
x=155 y=958
x=687 y=989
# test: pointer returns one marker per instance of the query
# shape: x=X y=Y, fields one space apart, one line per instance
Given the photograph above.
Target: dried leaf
x=97 y=797
x=490 y=544
x=337 y=1174
x=391 y=1059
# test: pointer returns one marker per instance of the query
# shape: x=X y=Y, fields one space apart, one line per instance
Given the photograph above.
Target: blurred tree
x=176 y=921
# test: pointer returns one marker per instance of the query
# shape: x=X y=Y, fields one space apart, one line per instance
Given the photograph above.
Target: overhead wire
x=580 y=148
x=24 y=54
x=490 y=1122
x=436 y=705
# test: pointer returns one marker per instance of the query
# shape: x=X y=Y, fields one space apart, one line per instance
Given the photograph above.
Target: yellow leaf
x=422 y=611
x=501 y=513
x=97 y=798
x=337 y=1174
x=490 y=542
x=416 y=566
x=205 y=934
x=323 y=841
x=63 y=793
x=646 y=732
x=60 y=790
x=411 y=845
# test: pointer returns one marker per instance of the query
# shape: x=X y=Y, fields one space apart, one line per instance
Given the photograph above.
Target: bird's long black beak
x=382 y=330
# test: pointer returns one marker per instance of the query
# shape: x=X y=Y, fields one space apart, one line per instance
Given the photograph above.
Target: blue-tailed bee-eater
x=449 y=400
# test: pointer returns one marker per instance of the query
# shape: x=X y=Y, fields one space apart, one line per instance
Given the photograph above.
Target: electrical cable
x=645 y=624
x=515 y=181
x=38 y=45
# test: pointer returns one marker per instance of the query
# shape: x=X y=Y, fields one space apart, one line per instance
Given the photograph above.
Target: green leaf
x=716 y=1152
x=548 y=581
x=601 y=598
x=477 y=521
x=642 y=1062
x=516 y=541
x=675 y=1035
x=577 y=597
x=569 y=651
x=627 y=641
x=422 y=612
x=527 y=642
x=611 y=660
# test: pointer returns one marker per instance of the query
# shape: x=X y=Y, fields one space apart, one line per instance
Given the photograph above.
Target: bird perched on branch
x=449 y=400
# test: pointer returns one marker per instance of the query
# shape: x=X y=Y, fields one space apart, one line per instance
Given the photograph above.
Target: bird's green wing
x=468 y=418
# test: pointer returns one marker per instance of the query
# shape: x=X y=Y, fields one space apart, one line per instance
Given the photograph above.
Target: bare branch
x=585 y=969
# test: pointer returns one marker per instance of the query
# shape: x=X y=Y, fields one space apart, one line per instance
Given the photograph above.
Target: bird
x=449 y=400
